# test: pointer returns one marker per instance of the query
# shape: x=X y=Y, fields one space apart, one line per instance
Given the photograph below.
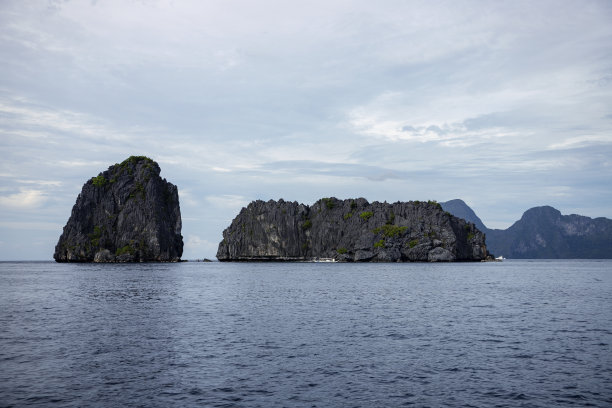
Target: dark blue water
x=511 y=334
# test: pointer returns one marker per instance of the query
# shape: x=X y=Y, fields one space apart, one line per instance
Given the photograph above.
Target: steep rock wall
x=127 y=213
x=350 y=230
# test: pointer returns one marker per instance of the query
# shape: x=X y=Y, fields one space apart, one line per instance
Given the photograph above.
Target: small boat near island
x=324 y=260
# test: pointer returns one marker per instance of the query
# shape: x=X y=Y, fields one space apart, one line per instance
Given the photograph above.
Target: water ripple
x=530 y=334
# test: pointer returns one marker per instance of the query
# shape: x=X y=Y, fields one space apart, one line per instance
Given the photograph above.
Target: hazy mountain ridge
x=544 y=233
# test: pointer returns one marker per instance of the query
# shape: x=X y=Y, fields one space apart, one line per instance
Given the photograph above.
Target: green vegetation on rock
x=329 y=203
x=390 y=231
x=95 y=236
x=434 y=203
x=342 y=251
x=99 y=181
x=129 y=162
x=139 y=188
x=366 y=215
x=380 y=244
x=347 y=216
x=413 y=243
x=135 y=159
x=125 y=250
x=307 y=224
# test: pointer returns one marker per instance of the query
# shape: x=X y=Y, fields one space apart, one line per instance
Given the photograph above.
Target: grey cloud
x=437 y=130
x=312 y=167
x=490 y=120
x=422 y=129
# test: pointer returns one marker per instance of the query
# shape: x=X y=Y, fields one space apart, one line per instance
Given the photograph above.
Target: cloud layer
x=505 y=105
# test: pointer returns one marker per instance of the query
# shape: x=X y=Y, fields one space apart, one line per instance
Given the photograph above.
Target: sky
x=506 y=105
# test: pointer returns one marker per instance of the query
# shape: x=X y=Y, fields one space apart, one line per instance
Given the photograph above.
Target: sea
x=518 y=333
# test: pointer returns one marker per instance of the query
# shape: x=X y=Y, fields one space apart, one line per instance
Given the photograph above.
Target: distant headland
x=544 y=233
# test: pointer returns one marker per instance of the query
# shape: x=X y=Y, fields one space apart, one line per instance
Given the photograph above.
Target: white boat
x=324 y=260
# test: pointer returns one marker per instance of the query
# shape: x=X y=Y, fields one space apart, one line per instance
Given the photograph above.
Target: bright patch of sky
x=506 y=105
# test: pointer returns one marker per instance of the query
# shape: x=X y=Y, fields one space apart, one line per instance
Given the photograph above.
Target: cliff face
x=350 y=230
x=126 y=214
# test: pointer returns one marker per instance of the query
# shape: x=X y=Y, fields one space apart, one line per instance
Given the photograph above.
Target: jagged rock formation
x=350 y=230
x=544 y=233
x=126 y=214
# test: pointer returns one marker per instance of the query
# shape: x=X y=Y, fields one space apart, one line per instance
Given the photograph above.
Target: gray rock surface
x=351 y=231
x=126 y=214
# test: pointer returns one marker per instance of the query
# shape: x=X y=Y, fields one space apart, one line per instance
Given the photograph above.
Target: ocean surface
x=509 y=334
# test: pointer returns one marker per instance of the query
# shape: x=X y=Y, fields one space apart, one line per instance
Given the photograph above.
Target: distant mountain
x=460 y=209
x=544 y=233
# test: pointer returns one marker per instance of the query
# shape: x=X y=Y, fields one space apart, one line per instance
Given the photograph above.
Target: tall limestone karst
x=127 y=213
x=350 y=231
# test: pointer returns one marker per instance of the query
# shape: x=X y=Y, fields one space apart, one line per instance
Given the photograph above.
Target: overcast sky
x=506 y=105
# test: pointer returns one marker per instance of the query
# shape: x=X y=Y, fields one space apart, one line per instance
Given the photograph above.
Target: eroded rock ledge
x=350 y=231
x=127 y=213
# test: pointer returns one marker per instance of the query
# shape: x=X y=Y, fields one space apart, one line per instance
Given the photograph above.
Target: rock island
x=127 y=213
x=350 y=231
